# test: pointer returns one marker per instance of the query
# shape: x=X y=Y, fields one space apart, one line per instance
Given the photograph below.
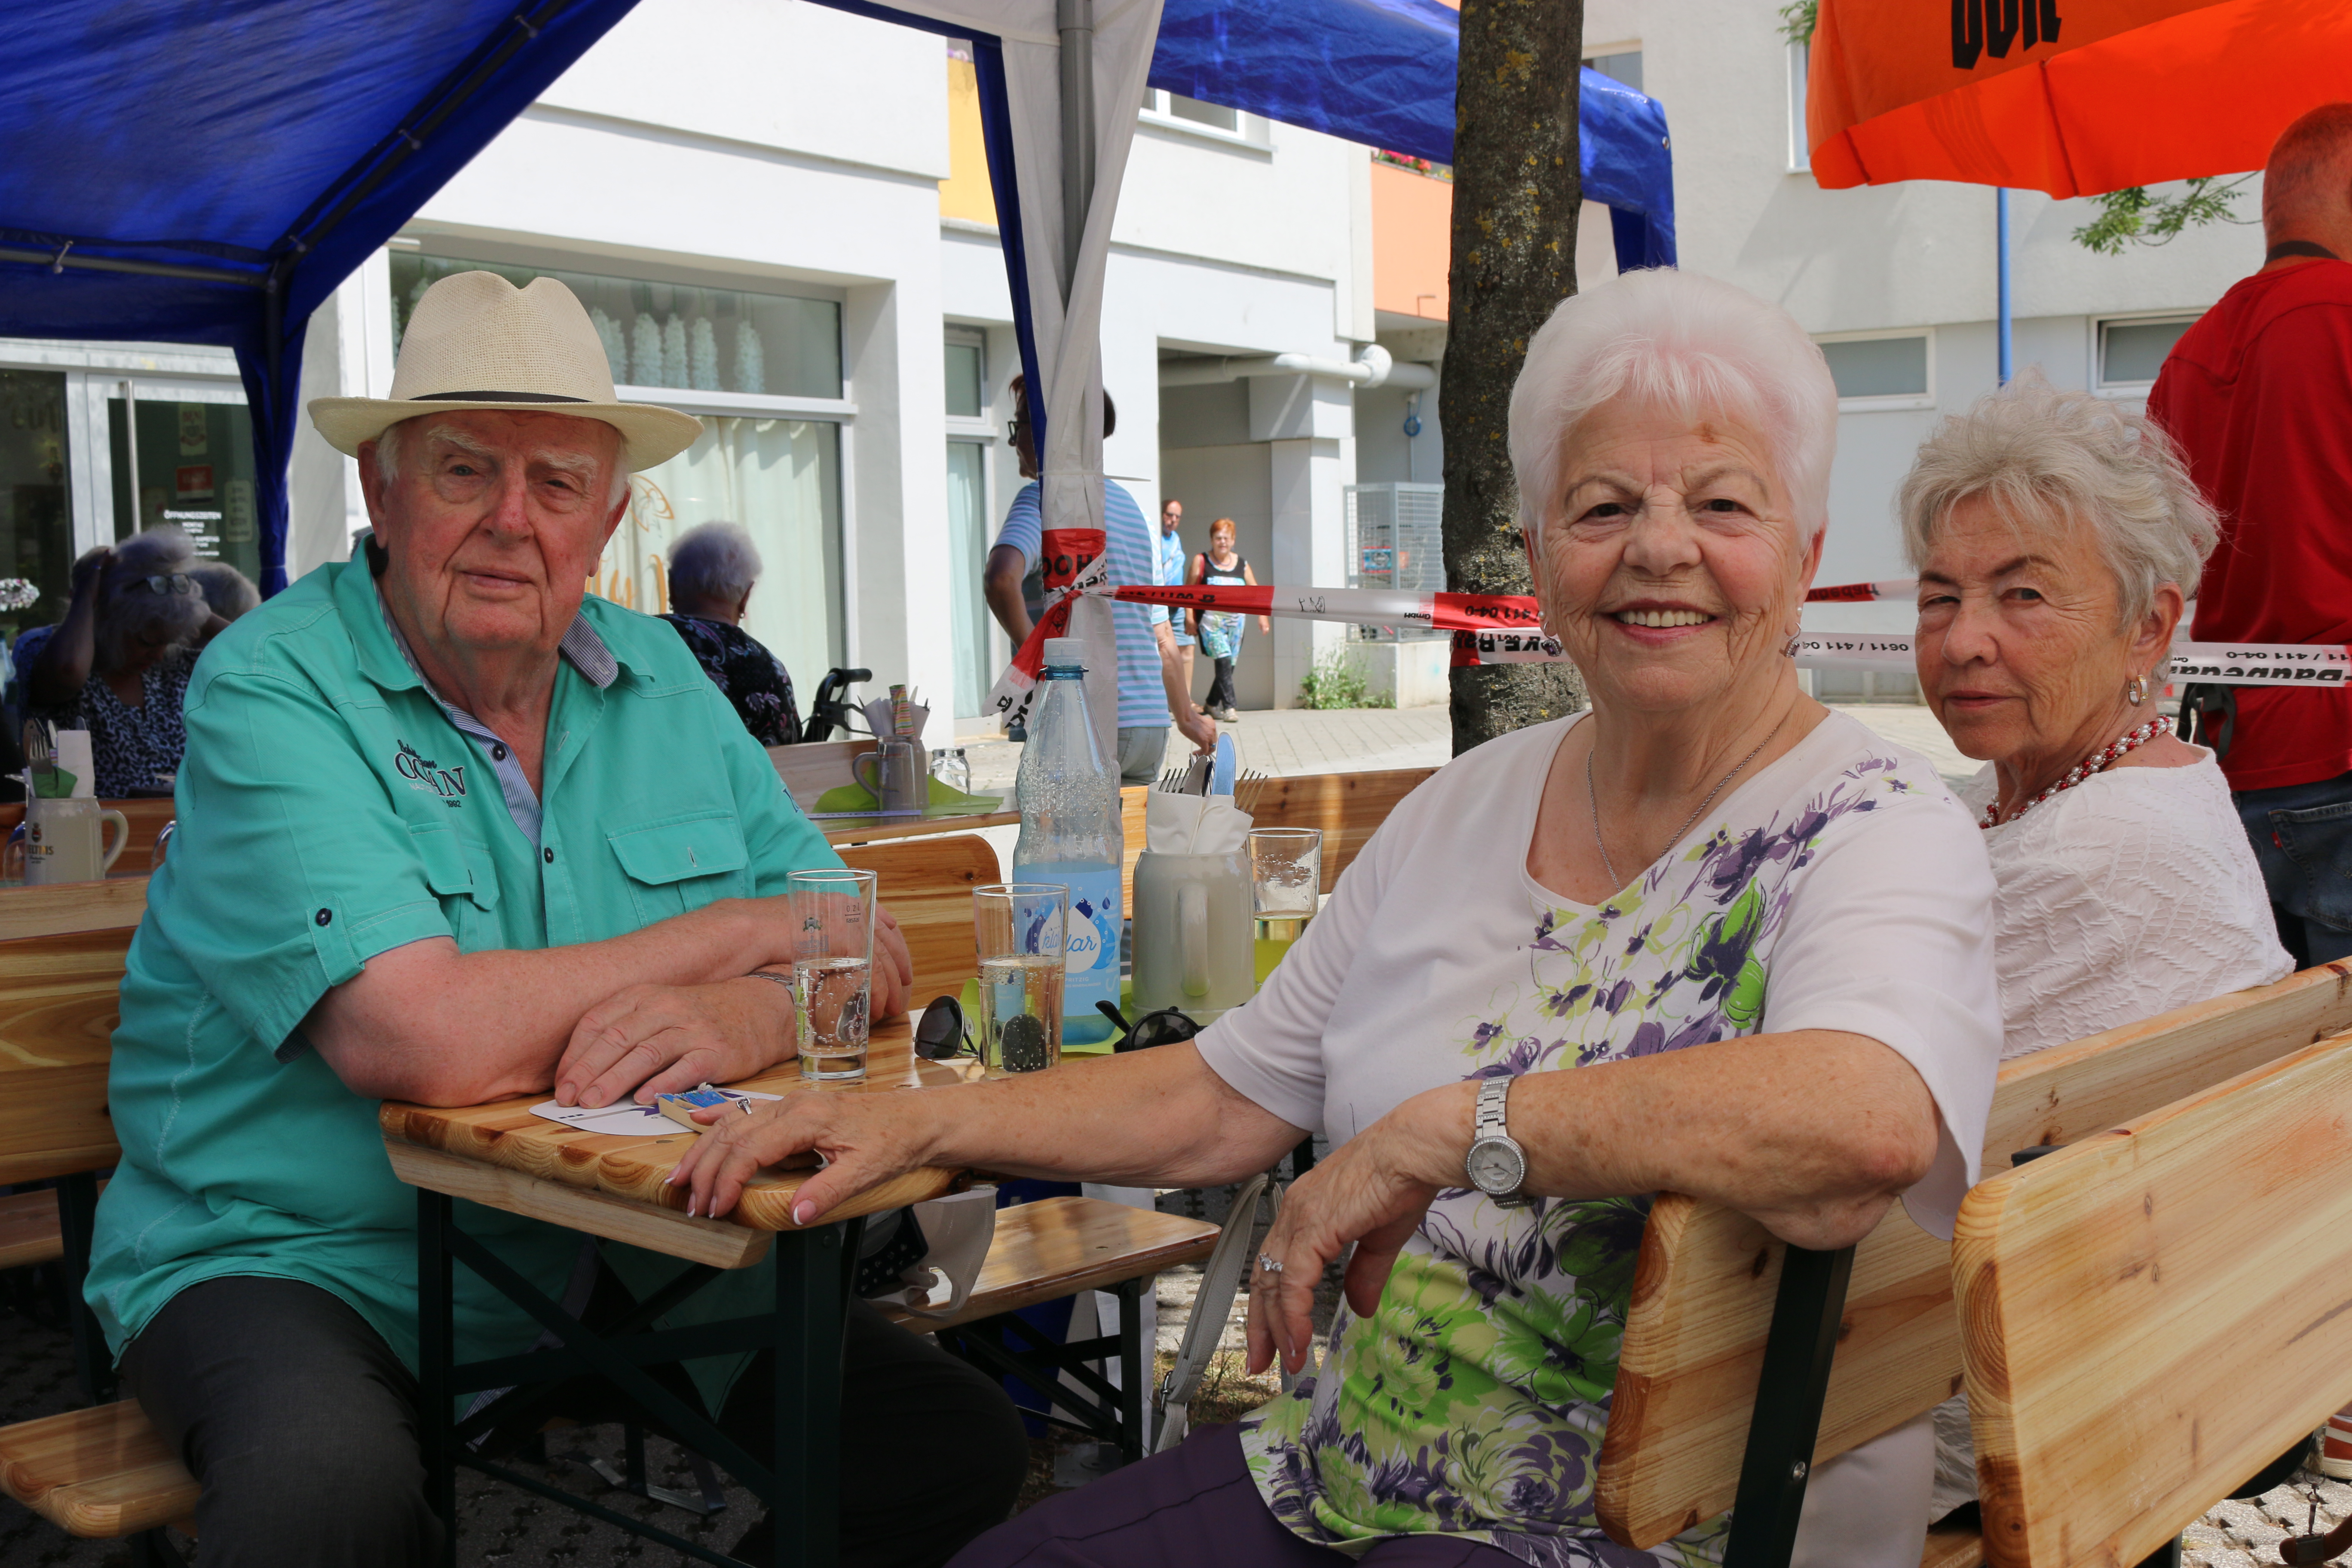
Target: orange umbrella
x=2067 y=97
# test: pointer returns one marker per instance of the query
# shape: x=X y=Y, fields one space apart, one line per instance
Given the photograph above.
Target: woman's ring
x=1270 y=1264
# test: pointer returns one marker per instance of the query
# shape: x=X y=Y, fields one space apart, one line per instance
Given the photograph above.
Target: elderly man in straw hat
x=448 y=833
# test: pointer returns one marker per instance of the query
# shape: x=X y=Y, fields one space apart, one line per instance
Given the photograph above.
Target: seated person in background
x=229 y=592
x=712 y=568
x=1784 y=1000
x=118 y=664
x=2054 y=534
x=406 y=869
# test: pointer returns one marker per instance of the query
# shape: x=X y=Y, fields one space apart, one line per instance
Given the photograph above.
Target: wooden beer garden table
x=502 y=1156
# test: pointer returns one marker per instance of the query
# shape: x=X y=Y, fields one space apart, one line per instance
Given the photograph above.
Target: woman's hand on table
x=658 y=1040
x=1373 y=1191
x=865 y=1138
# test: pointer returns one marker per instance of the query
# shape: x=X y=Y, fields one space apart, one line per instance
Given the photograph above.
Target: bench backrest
x=1348 y=807
x=808 y=771
x=2155 y=1314
x=1704 y=1285
x=57 y=1012
x=926 y=884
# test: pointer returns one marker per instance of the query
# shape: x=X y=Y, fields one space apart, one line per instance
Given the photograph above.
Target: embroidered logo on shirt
x=422 y=773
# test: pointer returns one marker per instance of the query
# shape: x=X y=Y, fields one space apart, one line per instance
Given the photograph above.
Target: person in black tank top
x=1220 y=631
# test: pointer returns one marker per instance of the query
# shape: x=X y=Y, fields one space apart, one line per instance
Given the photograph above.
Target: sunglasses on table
x=944 y=1031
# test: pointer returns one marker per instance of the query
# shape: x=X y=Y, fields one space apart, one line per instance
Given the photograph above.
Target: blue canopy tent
x=208 y=174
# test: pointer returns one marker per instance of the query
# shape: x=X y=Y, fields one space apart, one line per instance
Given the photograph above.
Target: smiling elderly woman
x=1709 y=937
x=451 y=832
x=2053 y=533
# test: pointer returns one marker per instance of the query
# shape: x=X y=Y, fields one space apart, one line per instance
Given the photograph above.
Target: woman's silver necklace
x=2096 y=763
x=1592 y=801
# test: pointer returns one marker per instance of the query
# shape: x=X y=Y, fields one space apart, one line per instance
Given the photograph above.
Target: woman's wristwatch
x=1496 y=1165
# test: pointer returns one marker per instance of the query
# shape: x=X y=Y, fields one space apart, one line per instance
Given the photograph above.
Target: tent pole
x=1075 y=21
x=2001 y=228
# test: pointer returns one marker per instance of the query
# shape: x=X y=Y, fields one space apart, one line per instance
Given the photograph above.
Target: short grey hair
x=229 y=592
x=126 y=607
x=1698 y=346
x=2049 y=460
x=394 y=439
x=713 y=560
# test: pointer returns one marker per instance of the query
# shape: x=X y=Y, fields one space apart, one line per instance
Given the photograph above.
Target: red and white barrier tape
x=1508 y=628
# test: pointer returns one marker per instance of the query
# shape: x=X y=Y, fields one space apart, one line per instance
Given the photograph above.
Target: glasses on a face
x=164 y=585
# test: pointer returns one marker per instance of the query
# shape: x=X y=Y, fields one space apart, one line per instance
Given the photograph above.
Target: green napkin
x=944 y=801
x=52 y=783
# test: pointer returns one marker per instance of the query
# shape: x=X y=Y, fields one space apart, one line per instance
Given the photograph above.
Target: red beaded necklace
x=2097 y=761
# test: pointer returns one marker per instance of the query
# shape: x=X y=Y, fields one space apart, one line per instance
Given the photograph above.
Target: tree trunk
x=1516 y=194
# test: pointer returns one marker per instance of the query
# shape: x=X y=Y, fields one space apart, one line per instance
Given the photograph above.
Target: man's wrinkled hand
x=658 y=1040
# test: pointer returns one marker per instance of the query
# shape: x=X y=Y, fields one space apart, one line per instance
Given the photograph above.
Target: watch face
x=1496 y=1166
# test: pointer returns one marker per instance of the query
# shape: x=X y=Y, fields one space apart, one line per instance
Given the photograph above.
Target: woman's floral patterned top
x=1823 y=894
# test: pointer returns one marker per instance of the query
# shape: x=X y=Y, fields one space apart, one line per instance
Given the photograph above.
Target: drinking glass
x=833 y=970
x=1285 y=882
x=1017 y=927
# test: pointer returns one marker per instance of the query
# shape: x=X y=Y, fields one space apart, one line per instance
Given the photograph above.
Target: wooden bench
x=926 y=884
x=1059 y=1246
x=1845 y=1347
x=2154 y=1314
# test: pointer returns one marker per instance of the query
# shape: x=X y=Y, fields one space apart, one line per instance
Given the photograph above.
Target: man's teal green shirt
x=329 y=810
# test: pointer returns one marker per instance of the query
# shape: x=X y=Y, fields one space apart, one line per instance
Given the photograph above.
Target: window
x=186 y=464
x=978 y=651
x=670 y=335
x=1624 y=65
x=967 y=368
x=36 y=494
x=1163 y=107
x=1801 y=141
x=1880 y=371
x=2131 y=353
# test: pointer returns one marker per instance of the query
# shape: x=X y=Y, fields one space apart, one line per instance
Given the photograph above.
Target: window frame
x=1252 y=131
x=1799 y=70
x=962 y=427
x=1893 y=402
x=2096 y=373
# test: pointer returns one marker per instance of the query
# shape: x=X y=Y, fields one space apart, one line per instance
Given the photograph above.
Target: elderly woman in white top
x=2053 y=533
x=1709 y=937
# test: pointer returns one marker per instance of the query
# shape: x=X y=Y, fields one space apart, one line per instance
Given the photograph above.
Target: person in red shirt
x=2258 y=394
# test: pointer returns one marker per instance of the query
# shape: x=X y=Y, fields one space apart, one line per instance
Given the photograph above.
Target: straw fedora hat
x=479 y=342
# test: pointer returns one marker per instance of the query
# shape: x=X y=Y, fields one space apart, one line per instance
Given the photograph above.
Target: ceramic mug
x=64 y=840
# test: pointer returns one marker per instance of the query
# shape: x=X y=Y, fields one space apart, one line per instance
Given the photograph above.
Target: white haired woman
x=1709 y=937
x=713 y=569
x=2053 y=533
x=118 y=664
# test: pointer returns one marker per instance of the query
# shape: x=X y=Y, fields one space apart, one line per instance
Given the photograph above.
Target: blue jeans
x=2302 y=836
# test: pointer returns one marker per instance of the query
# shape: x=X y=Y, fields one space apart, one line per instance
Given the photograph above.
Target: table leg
x=436 y=1349
x=814 y=1270
x=1136 y=1367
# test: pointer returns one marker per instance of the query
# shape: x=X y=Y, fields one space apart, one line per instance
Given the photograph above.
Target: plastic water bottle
x=1070 y=834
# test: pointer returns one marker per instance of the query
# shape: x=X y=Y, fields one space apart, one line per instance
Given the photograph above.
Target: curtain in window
x=968 y=557
x=782 y=479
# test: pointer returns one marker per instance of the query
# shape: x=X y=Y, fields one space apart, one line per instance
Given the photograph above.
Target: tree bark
x=1517 y=190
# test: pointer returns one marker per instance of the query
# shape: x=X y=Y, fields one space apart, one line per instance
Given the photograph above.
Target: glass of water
x=833 y=970
x=1017 y=927
x=1285 y=882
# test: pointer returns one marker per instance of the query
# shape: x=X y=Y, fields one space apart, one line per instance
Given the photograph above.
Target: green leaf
x=1798 y=20
x=2133 y=217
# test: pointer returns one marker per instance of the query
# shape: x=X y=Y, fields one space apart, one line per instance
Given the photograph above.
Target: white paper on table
x=628 y=1120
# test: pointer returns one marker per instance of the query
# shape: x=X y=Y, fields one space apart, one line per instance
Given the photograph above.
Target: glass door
x=35 y=499
x=975 y=635
x=188 y=464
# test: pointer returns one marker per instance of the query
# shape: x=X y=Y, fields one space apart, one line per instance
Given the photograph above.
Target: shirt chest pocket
x=459 y=872
x=680 y=863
